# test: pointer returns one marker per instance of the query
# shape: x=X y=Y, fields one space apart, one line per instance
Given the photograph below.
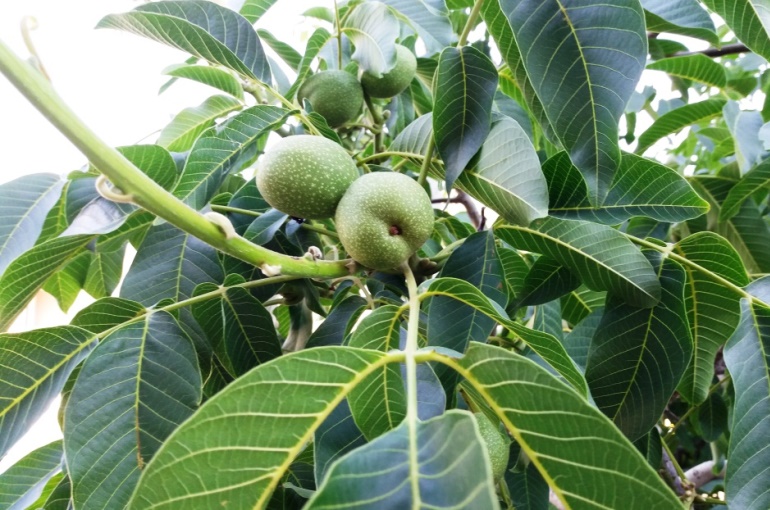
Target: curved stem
x=378 y=121
x=144 y=191
x=387 y=154
x=410 y=351
x=339 y=34
x=470 y=23
x=426 y=162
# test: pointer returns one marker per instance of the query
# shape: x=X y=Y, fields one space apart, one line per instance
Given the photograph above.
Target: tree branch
x=727 y=49
x=703 y=473
x=142 y=190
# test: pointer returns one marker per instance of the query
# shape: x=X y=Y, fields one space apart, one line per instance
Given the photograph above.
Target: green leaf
x=416 y=136
x=534 y=406
x=421 y=471
x=201 y=28
x=546 y=280
x=207 y=75
x=507 y=176
x=674 y=120
x=747 y=359
x=378 y=404
x=285 y=51
x=252 y=10
x=24 y=206
x=638 y=355
x=465 y=86
x=754 y=180
x=27 y=274
x=641 y=187
x=65 y=285
x=314 y=45
x=135 y=388
x=578 y=341
x=578 y=304
x=429 y=19
x=60 y=497
x=712 y=417
x=373 y=30
x=220 y=149
x=180 y=134
x=602 y=257
x=584 y=81
x=107 y=313
x=339 y=322
x=697 y=67
x=749 y=19
x=36 y=365
x=240 y=329
x=257 y=438
x=713 y=310
x=104 y=273
x=684 y=17
x=545 y=345
x=169 y=264
x=746 y=231
x=335 y=437
x=22 y=484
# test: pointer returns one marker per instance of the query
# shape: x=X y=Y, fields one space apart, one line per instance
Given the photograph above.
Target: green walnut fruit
x=305 y=176
x=383 y=218
x=394 y=81
x=497 y=445
x=336 y=95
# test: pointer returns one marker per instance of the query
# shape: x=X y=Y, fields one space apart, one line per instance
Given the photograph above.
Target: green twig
x=378 y=121
x=257 y=214
x=470 y=23
x=426 y=162
x=339 y=34
x=320 y=230
x=137 y=187
x=677 y=467
x=411 y=366
x=388 y=154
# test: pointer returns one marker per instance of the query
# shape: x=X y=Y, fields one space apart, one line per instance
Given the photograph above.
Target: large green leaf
x=135 y=388
x=581 y=76
x=36 y=365
x=638 y=355
x=755 y=179
x=465 y=84
x=744 y=125
x=24 y=205
x=685 y=17
x=373 y=30
x=507 y=176
x=747 y=355
x=749 y=19
x=201 y=28
x=236 y=448
x=747 y=231
x=208 y=75
x=697 y=67
x=601 y=256
x=429 y=19
x=27 y=274
x=574 y=459
x=180 y=134
x=641 y=187
x=543 y=344
x=170 y=264
x=411 y=467
x=65 y=284
x=674 y=120
x=712 y=309
x=240 y=329
x=104 y=273
x=220 y=149
x=22 y=483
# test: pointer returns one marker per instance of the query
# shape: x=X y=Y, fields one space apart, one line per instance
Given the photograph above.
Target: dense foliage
x=600 y=300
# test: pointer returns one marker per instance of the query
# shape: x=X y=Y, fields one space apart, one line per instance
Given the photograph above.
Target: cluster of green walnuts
x=382 y=218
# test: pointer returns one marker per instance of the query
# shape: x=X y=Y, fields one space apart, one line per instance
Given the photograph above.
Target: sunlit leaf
x=602 y=257
x=22 y=483
x=685 y=17
x=674 y=120
x=372 y=28
x=749 y=19
x=187 y=125
x=201 y=28
x=208 y=75
x=698 y=68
